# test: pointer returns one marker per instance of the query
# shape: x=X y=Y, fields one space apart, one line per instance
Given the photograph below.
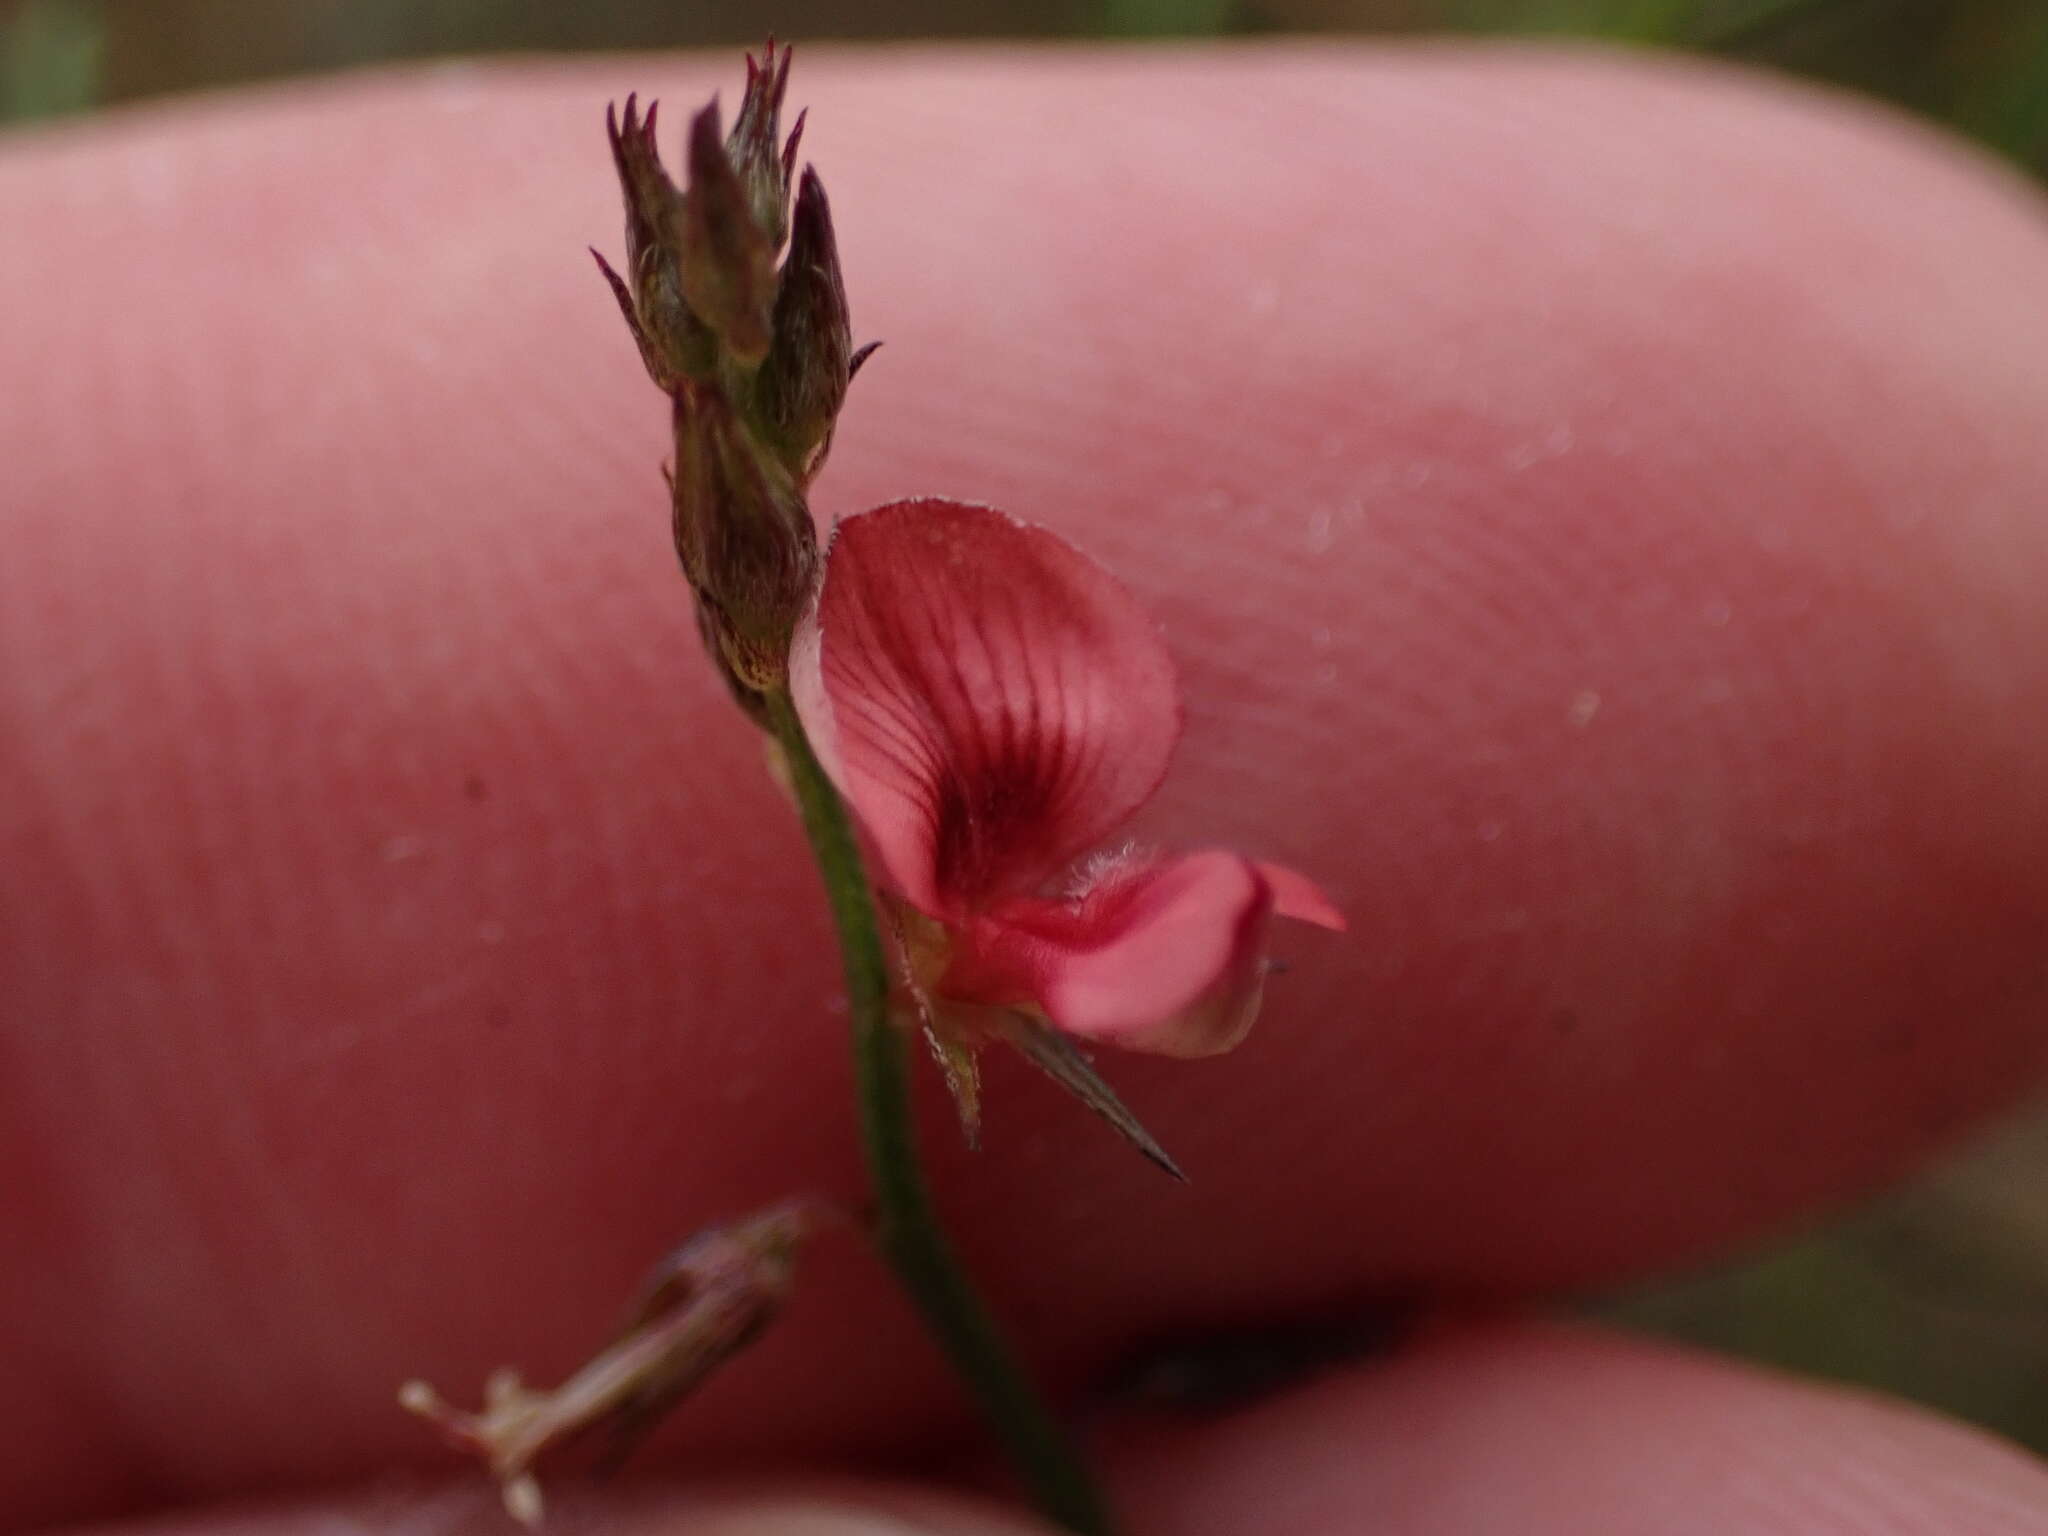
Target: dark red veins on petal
x=991 y=701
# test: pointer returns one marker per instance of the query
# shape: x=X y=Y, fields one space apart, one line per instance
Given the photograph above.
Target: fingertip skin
x=1594 y=504
x=1537 y=1430
x=811 y=1507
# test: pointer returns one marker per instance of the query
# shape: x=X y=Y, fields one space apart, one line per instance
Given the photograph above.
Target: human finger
x=1597 y=532
x=1504 y=1428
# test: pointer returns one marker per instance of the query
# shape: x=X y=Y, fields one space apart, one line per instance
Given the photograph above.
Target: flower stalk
x=906 y=1226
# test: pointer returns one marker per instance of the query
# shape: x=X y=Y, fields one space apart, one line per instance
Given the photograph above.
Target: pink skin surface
x=1594 y=505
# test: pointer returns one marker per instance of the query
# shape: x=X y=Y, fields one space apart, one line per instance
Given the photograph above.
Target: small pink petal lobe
x=1298 y=897
x=990 y=700
x=1164 y=955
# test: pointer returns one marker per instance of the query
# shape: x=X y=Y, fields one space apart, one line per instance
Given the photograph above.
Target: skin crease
x=1594 y=506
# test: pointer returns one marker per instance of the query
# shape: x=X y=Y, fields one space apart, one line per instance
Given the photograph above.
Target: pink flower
x=994 y=705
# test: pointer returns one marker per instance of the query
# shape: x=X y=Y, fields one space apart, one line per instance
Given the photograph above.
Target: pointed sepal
x=650 y=355
x=959 y=1061
x=1060 y=1059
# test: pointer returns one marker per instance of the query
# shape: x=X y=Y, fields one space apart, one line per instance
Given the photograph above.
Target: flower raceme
x=755 y=358
x=994 y=705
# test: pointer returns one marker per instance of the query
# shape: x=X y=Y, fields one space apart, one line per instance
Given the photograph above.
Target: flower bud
x=728 y=259
x=802 y=383
x=744 y=537
x=764 y=167
x=673 y=342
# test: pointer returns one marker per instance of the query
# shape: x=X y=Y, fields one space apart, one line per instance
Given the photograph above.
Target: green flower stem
x=906 y=1226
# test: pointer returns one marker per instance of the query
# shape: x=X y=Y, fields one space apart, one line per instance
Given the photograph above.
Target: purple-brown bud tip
x=728 y=265
x=756 y=157
x=673 y=344
x=802 y=383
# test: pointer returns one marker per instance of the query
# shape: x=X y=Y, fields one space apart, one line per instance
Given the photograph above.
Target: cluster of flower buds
x=739 y=311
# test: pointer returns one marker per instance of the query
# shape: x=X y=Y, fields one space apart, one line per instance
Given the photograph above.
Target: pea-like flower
x=994 y=706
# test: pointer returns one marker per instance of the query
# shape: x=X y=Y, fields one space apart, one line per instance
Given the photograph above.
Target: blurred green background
x=1979 y=64
x=1939 y=1293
